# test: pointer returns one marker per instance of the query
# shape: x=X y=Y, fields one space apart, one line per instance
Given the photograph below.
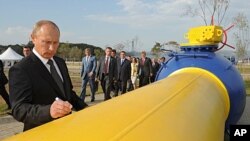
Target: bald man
x=40 y=86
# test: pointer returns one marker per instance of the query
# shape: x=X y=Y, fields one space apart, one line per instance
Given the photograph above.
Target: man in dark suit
x=40 y=86
x=106 y=72
x=162 y=61
x=144 y=69
x=88 y=74
x=155 y=67
x=3 y=82
x=114 y=86
x=123 y=72
x=26 y=50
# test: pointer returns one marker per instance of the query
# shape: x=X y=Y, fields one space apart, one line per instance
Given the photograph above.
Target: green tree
x=155 y=51
x=172 y=45
x=63 y=50
x=98 y=53
x=75 y=53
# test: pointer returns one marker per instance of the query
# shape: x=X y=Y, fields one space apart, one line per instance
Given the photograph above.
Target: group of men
x=40 y=86
x=108 y=70
x=114 y=72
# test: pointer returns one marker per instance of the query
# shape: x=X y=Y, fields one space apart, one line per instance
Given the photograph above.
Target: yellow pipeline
x=190 y=105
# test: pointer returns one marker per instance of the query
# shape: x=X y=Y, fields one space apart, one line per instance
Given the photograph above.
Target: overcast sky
x=105 y=22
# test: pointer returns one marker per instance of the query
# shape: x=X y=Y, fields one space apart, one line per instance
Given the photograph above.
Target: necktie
x=143 y=61
x=56 y=76
x=122 y=60
x=106 y=65
x=87 y=59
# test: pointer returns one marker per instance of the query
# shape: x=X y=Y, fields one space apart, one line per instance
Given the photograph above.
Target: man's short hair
x=87 y=49
x=123 y=52
x=113 y=50
x=29 y=45
x=143 y=52
x=39 y=24
x=108 y=48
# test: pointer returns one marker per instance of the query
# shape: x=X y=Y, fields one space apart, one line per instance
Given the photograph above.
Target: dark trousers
x=152 y=79
x=5 y=96
x=115 y=88
x=143 y=80
x=122 y=86
x=92 y=87
x=106 y=86
x=130 y=85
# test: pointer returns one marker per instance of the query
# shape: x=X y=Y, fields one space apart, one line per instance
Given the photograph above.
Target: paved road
x=9 y=126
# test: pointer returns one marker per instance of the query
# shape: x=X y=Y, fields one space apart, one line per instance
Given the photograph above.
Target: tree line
x=68 y=51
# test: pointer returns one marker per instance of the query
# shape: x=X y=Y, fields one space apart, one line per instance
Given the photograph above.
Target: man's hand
x=96 y=79
x=151 y=74
x=90 y=74
x=60 y=108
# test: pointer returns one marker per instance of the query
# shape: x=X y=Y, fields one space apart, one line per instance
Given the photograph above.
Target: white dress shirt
x=45 y=61
x=107 y=57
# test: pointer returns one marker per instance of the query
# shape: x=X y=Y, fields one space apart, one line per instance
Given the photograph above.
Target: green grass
x=3 y=109
x=247 y=86
x=244 y=69
x=245 y=72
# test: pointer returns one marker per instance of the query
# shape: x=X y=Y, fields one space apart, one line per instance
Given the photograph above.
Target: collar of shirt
x=107 y=57
x=87 y=58
x=45 y=61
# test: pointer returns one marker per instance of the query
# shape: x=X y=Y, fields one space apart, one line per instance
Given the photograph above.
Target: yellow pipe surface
x=190 y=105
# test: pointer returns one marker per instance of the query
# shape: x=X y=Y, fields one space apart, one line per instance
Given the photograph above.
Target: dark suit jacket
x=33 y=90
x=123 y=70
x=3 y=78
x=155 y=68
x=146 y=68
x=112 y=68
